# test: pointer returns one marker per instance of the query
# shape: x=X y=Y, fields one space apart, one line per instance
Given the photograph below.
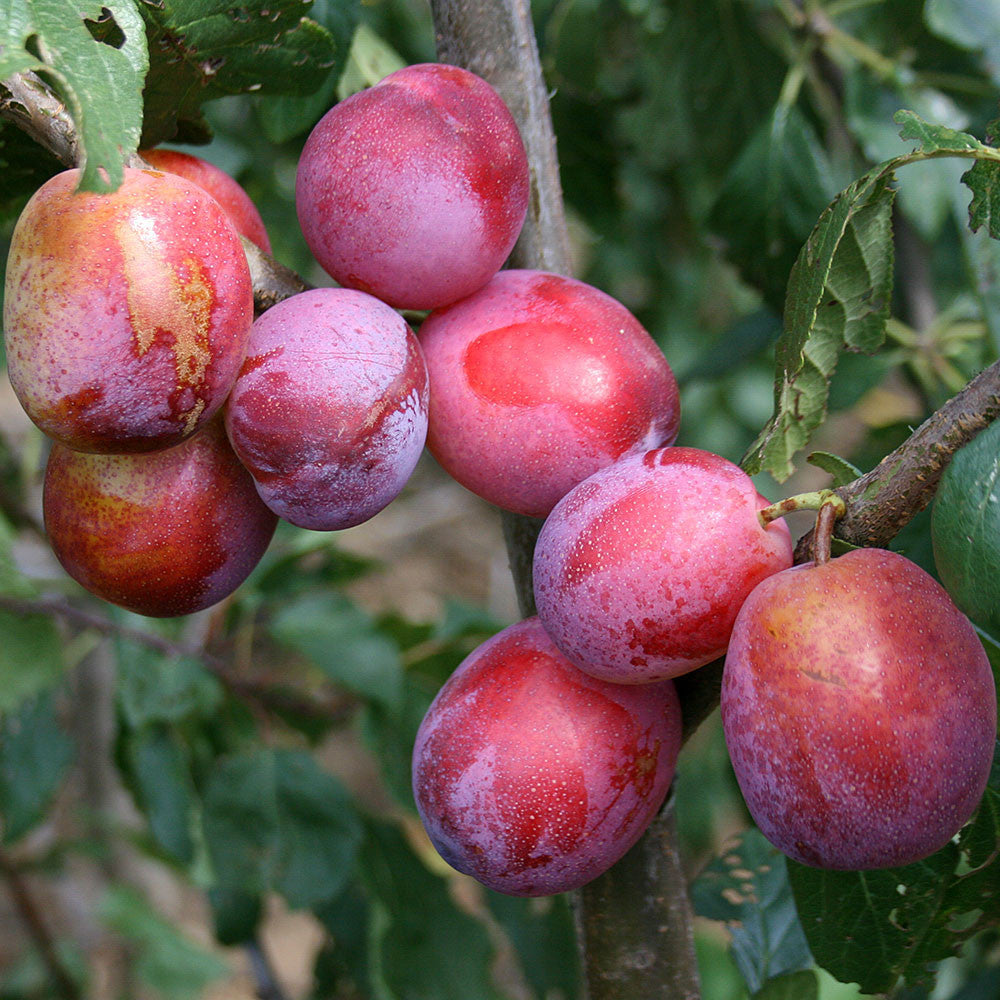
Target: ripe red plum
x=414 y=190
x=235 y=202
x=126 y=315
x=329 y=412
x=538 y=381
x=535 y=778
x=163 y=534
x=859 y=710
x=640 y=570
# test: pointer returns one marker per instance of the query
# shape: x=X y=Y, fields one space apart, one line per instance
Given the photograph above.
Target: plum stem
x=817 y=500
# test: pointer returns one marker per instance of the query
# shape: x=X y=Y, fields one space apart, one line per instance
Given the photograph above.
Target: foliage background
x=247 y=770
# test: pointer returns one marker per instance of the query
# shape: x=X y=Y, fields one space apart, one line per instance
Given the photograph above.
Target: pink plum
x=640 y=570
x=859 y=710
x=535 y=778
x=538 y=381
x=163 y=534
x=415 y=189
x=126 y=315
x=329 y=412
x=235 y=202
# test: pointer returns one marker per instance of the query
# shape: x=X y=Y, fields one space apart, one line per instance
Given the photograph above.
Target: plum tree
x=537 y=381
x=859 y=711
x=641 y=569
x=415 y=189
x=161 y=534
x=532 y=776
x=329 y=412
x=235 y=202
x=126 y=315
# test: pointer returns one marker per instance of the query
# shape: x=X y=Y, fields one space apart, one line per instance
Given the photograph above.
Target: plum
x=126 y=315
x=414 y=190
x=329 y=412
x=859 y=709
x=640 y=570
x=535 y=778
x=538 y=381
x=235 y=202
x=162 y=534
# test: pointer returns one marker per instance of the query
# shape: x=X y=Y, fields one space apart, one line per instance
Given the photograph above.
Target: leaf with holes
x=874 y=927
x=747 y=887
x=204 y=49
x=95 y=53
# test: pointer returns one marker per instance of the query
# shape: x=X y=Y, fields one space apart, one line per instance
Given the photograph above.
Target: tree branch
x=882 y=502
x=273 y=699
x=31 y=916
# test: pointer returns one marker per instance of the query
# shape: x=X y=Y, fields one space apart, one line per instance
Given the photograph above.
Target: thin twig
x=36 y=927
x=267 y=985
x=279 y=700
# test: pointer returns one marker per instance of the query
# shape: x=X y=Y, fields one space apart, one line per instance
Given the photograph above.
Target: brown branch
x=276 y=700
x=882 y=502
x=30 y=104
x=35 y=925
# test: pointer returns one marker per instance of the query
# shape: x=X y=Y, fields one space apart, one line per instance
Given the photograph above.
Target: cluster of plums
x=858 y=704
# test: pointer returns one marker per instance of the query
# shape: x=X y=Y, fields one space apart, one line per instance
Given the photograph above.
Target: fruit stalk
x=881 y=502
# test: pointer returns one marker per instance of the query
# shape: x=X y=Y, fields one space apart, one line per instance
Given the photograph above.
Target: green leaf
x=274 y=820
x=421 y=943
x=166 y=961
x=284 y=117
x=843 y=472
x=965 y=529
x=802 y=985
x=543 y=935
x=838 y=298
x=100 y=82
x=342 y=640
x=160 y=772
x=205 y=49
x=34 y=755
x=933 y=138
x=342 y=967
x=983 y=179
x=236 y=915
x=970 y=24
x=874 y=927
x=778 y=186
x=13 y=583
x=748 y=888
x=153 y=687
x=31 y=657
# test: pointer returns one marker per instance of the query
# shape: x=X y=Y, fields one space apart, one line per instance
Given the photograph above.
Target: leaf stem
x=816 y=500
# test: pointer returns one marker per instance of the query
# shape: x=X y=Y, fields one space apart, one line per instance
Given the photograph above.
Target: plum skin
x=538 y=381
x=535 y=778
x=859 y=709
x=329 y=412
x=126 y=314
x=164 y=534
x=235 y=202
x=414 y=190
x=639 y=571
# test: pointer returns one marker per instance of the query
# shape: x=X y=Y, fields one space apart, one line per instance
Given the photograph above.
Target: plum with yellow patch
x=163 y=534
x=640 y=570
x=859 y=710
x=535 y=778
x=329 y=412
x=226 y=190
x=126 y=315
